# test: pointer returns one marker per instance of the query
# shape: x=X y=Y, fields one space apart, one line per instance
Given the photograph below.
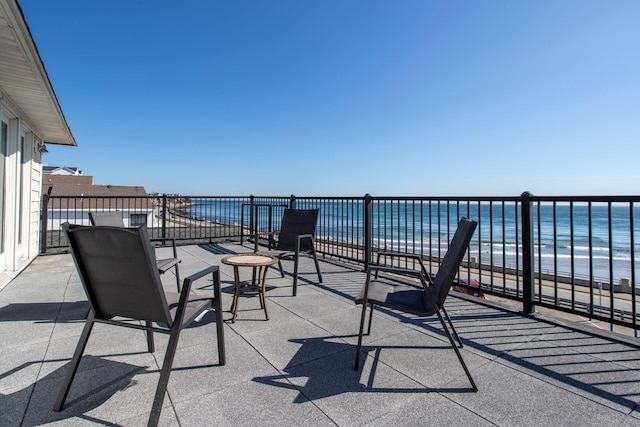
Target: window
x=137 y=220
x=4 y=135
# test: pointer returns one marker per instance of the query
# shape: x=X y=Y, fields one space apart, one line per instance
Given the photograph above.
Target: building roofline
x=48 y=119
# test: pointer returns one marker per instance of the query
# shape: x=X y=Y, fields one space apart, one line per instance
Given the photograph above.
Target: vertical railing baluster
x=611 y=267
x=491 y=278
x=164 y=216
x=253 y=228
x=555 y=253
x=634 y=320
x=527 y=255
x=591 y=279
x=572 y=249
x=367 y=222
x=539 y=242
x=504 y=248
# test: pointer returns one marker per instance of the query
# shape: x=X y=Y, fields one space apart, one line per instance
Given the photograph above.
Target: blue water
x=602 y=235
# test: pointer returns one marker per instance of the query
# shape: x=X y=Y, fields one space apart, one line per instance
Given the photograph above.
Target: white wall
x=81 y=217
x=22 y=187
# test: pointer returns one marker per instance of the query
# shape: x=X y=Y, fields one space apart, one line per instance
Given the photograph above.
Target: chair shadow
x=90 y=391
x=323 y=367
x=576 y=377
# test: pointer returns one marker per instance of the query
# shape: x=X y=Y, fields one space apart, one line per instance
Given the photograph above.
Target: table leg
x=236 y=292
x=261 y=289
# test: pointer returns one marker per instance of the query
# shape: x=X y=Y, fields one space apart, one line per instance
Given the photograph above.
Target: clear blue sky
x=335 y=97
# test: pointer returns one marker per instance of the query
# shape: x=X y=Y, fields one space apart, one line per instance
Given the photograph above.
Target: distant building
x=30 y=117
x=61 y=170
x=76 y=196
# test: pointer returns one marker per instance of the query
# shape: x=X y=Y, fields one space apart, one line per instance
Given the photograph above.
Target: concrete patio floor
x=297 y=368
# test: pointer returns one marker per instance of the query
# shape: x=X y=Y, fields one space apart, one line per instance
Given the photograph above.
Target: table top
x=249 y=260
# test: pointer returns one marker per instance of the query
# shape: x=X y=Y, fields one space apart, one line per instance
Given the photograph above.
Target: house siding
x=30 y=108
x=21 y=196
x=36 y=196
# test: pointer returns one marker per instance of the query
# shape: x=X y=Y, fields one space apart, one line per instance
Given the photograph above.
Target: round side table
x=257 y=287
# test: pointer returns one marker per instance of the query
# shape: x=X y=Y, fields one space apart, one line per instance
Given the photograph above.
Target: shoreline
x=182 y=217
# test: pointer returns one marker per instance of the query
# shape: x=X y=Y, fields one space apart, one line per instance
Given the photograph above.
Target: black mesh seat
x=296 y=237
x=424 y=300
x=118 y=271
x=114 y=219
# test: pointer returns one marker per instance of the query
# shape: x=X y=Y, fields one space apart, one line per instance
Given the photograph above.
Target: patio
x=297 y=368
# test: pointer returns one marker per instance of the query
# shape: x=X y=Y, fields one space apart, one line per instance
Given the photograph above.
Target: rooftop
x=297 y=367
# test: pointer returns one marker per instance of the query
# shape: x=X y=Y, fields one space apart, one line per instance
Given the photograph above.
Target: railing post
x=368 y=230
x=253 y=221
x=44 y=215
x=528 y=275
x=164 y=216
x=292 y=202
x=242 y=205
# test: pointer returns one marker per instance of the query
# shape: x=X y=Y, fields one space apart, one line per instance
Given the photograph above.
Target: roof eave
x=46 y=118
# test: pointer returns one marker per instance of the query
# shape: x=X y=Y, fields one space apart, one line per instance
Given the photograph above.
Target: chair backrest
x=451 y=261
x=118 y=271
x=112 y=218
x=294 y=223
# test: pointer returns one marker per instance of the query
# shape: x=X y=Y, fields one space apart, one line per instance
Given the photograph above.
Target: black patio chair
x=114 y=219
x=296 y=237
x=423 y=300
x=118 y=271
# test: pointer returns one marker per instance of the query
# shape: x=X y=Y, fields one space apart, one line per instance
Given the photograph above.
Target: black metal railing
x=574 y=254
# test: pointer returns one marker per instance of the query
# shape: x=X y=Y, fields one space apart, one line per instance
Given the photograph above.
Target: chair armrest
x=299 y=238
x=186 y=290
x=304 y=236
x=164 y=239
x=375 y=269
x=270 y=235
x=394 y=270
x=415 y=257
x=400 y=254
x=188 y=281
x=200 y=274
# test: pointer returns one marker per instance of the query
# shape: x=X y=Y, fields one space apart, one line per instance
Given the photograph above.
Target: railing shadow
x=536 y=348
x=73 y=312
x=217 y=249
x=45 y=312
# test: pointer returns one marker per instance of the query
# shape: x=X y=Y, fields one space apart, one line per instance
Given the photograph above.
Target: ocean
x=598 y=242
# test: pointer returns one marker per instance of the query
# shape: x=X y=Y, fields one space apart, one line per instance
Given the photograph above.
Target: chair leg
x=177 y=278
x=370 y=320
x=453 y=329
x=75 y=361
x=217 y=305
x=315 y=260
x=455 y=348
x=356 y=365
x=280 y=266
x=175 y=255
x=295 y=274
x=151 y=346
x=165 y=372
